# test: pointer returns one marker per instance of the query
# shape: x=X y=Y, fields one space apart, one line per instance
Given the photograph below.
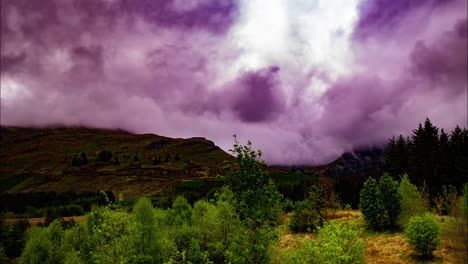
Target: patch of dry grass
x=382 y=247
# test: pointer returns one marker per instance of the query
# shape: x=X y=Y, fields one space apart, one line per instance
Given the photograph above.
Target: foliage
x=446 y=200
x=412 y=203
x=307 y=214
x=455 y=227
x=258 y=200
x=42 y=245
x=391 y=199
x=336 y=243
x=12 y=238
x=145 y=236
x=372 y=206
x=422 y=233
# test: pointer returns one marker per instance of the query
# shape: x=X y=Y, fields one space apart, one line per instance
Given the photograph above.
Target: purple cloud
x=303 y=87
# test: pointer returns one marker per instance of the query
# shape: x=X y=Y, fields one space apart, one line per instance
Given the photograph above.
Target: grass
x=381 y=247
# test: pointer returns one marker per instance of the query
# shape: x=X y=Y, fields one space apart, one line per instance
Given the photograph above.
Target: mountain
x=50 y=159
x=43 y=160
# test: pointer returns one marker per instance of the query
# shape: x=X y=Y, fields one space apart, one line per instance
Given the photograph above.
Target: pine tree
x=402 y=146
x=396 y=156
x=390 y=156
x=443 y=162
x=458 y=149
x=424 y=154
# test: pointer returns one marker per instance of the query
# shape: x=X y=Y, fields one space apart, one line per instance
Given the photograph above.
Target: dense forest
x=420 y=193
x=431 y=157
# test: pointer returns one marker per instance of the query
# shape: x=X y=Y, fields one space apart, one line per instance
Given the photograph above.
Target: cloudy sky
x=304 y=80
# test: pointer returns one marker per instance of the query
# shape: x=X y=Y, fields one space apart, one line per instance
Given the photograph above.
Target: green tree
x=257 y=201
x=42 y=246
x=372 y=206
x=423 y=233
x=257 y=198
x=110 y=234
x=412 y=203
x=391 y=199
x=146 y=242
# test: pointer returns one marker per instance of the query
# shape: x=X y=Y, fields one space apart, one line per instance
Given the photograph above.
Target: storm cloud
x=303 y=80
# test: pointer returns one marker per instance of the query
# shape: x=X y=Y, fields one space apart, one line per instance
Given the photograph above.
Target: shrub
x=336 y=243
x=423 y=233
x=372 y=206
x=412 y=203
x=340 y=244
x=306 y=216
x=288 y=205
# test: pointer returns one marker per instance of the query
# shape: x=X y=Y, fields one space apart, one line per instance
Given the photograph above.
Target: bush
x=412 y=203
x=306 y=216
x=336 y=243
x=288 y=205
x=423 y=233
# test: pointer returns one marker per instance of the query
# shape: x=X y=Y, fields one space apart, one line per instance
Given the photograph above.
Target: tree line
x=431 y=157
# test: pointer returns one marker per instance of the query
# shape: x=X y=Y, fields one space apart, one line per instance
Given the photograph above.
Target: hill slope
x=41 y=160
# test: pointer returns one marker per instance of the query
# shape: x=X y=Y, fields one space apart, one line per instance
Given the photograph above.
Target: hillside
x=35 y=160
x=41 y=160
